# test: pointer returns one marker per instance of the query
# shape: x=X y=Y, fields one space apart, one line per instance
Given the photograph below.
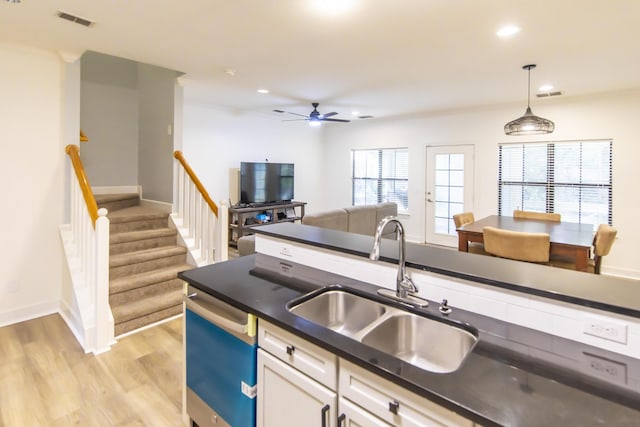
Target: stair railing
x=204 y=226
x=86 y=241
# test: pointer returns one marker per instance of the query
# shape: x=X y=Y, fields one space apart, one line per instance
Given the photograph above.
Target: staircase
x=144 y=259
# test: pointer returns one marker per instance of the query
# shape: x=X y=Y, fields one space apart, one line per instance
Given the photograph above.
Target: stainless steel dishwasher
x=221 y=352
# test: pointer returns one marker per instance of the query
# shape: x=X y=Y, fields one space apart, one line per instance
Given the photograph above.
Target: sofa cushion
x=336 y=219
x=362 y=219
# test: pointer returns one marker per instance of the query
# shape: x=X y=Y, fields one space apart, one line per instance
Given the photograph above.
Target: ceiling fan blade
x=336 y=120
x=296 y=114
x=329 y=114
x=294 y=120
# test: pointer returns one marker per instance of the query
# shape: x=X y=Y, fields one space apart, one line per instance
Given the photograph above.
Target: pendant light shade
x=529 y=124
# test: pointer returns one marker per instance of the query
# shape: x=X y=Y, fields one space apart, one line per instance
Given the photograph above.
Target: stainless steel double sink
x=432 y=343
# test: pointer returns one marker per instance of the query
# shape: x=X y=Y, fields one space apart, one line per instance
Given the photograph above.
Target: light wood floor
x=46 y=379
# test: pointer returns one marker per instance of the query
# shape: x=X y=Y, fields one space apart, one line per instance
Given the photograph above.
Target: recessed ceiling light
x=230 y=72
x=508 y=31
x=333 y=7
x=354 y=113
x=263 y=90
x=545 y=88
x=13 y=1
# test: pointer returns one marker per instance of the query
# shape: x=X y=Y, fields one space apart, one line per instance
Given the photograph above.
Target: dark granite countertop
x=513 y=377
x=614 y=294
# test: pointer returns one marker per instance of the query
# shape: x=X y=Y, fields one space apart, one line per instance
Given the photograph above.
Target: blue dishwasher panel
x=217 y=365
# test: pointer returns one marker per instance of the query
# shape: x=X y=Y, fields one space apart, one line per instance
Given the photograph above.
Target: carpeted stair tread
x=145 y=255
x=135 y=213
x=139 y=322
x=145 y=306
x=130 y=236
x=115 y=202
x=134 y=281
x=106 y=198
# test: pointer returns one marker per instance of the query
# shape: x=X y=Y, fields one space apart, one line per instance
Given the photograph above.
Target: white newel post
x=221 y=238
x=104 y=332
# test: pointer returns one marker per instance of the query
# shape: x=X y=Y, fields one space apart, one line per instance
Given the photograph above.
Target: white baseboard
x=625 y=273
x=116 y=189
x=22 y=314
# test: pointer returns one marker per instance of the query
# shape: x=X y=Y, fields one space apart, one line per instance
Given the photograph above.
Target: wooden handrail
x=74 y=153
x=178 y=155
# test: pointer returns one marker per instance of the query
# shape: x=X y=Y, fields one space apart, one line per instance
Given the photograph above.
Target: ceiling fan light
x=529 y=124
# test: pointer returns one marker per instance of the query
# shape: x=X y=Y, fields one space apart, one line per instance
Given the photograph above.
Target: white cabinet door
x=351 y=415
x=288 y=398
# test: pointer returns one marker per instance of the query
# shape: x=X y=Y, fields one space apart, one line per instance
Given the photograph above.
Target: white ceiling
x=379 y=57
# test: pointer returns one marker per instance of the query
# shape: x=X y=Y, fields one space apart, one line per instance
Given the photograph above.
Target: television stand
x=243 y=219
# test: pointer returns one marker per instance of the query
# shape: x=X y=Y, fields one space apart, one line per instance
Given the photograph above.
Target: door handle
x=429 y=200
x=341 y=420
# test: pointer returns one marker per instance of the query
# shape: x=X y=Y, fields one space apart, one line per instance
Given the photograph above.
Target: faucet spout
x=404 y=284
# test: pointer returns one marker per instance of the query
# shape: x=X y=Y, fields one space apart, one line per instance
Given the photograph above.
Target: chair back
x=518 y=245
x=603 y=240
x=463 y=218
x=602 y=243
x=537 y=215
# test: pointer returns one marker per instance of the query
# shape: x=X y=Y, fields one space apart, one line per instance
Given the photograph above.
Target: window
x=570 y=178
x=380 y=175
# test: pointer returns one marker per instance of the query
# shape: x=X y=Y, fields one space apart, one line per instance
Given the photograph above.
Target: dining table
x=569 y=240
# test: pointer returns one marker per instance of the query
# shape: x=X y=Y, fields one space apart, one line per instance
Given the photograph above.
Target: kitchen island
x=515 y=376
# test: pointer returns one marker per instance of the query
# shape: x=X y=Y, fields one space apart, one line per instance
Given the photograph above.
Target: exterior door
x=449 y=189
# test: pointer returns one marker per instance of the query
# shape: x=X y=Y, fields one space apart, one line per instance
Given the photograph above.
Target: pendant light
x=529 y=124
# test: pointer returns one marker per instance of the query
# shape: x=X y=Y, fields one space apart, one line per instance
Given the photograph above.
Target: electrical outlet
x=286 y=268
x=286 y=251
x=606 y=369
x=605 y=328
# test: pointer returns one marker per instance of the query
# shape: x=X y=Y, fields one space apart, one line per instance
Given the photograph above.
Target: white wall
x=217 y=139
x=32 y=182
x=605 y=116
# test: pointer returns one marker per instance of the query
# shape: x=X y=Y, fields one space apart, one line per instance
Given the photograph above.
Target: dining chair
x=602 y=243
x=556 y=217
x=518 y=245
x=467 y=218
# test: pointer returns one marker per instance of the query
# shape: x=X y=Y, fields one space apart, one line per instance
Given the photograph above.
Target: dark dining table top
x=566 y=233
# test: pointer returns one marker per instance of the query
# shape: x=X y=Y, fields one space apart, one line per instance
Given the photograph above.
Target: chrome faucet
x=404 y=284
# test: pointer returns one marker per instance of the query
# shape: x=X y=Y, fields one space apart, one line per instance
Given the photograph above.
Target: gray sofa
x=353 y=219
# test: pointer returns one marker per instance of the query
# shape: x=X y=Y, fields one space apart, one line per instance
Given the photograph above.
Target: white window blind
x=380 y=175
x=572 y=178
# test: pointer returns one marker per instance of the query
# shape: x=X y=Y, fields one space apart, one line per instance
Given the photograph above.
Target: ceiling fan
x=315 y=117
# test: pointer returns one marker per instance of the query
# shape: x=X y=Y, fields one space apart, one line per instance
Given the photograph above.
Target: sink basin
x=431 y=343
x=340 y=311
x=428 y=344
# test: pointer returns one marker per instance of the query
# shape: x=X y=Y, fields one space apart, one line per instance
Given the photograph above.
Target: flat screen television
x=263 y=183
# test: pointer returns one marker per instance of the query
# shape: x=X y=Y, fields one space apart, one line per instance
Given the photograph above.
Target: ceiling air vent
x=544 y=95
x=76 y=19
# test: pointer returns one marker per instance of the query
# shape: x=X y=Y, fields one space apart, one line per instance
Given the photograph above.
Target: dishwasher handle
x=213 y=317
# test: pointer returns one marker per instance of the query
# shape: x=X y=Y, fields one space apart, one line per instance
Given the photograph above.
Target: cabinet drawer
x=310 y=359
x=351 y=415
x=392 y=403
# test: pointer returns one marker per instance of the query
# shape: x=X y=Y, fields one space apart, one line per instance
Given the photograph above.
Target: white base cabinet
x=288 y=398
x=301 y=384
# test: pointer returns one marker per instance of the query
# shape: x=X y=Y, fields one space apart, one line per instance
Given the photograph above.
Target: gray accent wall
x=155 y=149
x=109 y=117
x=126 y=109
